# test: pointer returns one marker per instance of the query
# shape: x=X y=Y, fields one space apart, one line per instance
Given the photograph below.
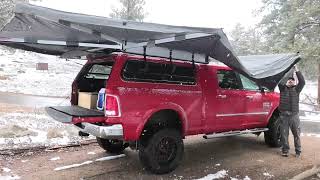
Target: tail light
x=112 y=107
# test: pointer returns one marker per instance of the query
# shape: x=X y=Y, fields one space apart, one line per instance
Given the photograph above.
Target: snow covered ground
x=18 y=73
x=223 y=174
x=308 y=105
x=309 y=93
x=33 y=127
x=27 y=129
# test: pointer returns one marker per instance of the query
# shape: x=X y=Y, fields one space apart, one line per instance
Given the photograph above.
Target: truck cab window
x=248 y=84
x=227 y=79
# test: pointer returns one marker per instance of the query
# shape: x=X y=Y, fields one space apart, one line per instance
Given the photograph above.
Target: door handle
x=249 y=97
x=222 y=96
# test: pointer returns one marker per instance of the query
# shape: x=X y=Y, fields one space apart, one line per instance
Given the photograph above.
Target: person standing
x=289 y=111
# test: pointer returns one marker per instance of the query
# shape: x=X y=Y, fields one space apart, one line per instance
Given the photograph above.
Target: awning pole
x=145 y=53
x=207 y=59
x=192 y=58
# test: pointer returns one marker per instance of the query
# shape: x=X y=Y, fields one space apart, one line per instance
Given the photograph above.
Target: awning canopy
x=269 y=69
x=65 y=34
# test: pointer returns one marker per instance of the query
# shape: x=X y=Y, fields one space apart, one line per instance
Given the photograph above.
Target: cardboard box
x=88 y=100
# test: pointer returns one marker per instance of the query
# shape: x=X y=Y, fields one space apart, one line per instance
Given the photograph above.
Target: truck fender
x=164 y=106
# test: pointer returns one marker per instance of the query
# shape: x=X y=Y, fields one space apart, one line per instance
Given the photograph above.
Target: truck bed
x=66 y=113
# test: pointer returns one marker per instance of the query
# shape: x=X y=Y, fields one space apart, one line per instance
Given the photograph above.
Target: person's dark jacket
x=289 y=96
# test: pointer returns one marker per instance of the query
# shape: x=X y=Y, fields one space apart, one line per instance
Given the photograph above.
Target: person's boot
x=285 y=154
x=298 y=155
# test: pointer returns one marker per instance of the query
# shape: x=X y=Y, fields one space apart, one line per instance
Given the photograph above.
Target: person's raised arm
x=301 y=80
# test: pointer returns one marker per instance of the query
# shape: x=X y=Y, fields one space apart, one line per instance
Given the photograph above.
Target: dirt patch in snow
x=3 y=77
x=14 y=131
x=9 y=108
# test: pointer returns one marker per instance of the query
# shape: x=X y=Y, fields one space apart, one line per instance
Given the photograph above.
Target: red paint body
x=197 y=105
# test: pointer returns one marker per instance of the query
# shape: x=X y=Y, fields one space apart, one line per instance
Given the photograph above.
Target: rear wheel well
x=160 y=120
x=272 y=136
x=274 y=116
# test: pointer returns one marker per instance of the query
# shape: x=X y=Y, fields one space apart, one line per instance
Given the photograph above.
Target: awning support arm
x=145 y=53
x=192 y=59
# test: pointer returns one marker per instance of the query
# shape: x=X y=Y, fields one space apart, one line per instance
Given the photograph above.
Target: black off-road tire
x=272 y=136
x=112 y=146
x=162 y=152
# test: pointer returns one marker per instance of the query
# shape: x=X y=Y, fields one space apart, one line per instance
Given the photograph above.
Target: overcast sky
x=202 y=13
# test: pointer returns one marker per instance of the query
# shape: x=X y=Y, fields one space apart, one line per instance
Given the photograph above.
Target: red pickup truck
x=152 y=104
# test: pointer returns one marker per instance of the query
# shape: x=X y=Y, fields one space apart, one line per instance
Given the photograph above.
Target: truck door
x=254 y=111
x=229 y=101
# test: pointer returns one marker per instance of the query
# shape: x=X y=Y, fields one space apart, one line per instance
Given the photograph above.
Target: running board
x=234 y=133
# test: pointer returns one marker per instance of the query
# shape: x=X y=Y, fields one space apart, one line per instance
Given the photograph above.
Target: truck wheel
x=112 y=146
x=272 y=136
x=162 y=152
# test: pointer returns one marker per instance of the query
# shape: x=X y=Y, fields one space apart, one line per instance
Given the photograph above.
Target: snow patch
x=245 y=178
x=6 y=169
x=268 y=175
x=111 y=157
x=72 y=166
x=19 y=68
x=218 y=175
x=13 y=177
x=91 y=153
x=313 y=135
x=89 y=162
x=34 y=129
x=54 y=158
x=310 y=91
x=217 y=165
x=23 y=161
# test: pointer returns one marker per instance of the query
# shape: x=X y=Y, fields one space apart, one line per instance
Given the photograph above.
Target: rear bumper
x=105 y=132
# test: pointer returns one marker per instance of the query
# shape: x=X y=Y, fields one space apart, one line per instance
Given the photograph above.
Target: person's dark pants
x=292 y=121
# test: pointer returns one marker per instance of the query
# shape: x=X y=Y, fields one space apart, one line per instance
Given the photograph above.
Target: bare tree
x=130 y=10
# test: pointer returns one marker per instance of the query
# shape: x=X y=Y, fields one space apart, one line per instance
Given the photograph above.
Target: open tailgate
x=66 y=114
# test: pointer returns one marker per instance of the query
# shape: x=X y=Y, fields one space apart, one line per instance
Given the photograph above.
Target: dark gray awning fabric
x=269 y=69
x=54 y=32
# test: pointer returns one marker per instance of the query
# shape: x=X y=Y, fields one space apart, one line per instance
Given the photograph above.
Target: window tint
x=248 y=84
x=135 y=70
x=227 y=79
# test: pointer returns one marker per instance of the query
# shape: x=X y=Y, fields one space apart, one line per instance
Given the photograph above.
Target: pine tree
x=294 y=26
x=247 y=41
x=130 y=10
